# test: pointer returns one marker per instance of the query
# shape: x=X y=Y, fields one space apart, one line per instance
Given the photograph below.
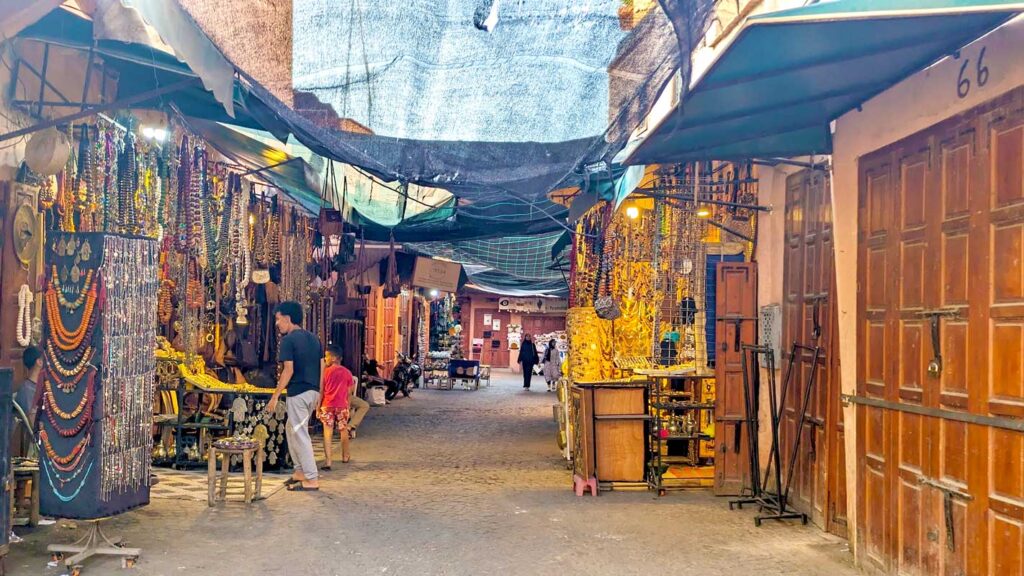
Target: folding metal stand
x=753 y=494
x=777 y=504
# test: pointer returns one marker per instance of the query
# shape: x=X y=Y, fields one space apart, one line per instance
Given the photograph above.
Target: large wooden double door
x=940 y=375
x=818 y=486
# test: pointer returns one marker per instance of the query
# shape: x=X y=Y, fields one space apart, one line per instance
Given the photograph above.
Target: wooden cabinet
x=609 y=432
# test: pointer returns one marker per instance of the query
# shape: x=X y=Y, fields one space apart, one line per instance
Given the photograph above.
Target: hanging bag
x=605 y=305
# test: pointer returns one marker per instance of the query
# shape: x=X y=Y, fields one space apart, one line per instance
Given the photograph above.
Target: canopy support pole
x=148 y=95
x=823 y=166
x=646 y=193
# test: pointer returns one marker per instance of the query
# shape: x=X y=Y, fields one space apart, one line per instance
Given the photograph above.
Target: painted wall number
x=963 y=81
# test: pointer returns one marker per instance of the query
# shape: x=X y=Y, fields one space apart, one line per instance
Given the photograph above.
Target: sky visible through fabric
x=423 y=69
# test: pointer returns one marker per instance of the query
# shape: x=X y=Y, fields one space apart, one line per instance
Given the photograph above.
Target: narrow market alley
x=455 y=482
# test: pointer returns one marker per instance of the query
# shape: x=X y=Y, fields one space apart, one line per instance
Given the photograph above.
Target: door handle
x=948 y=494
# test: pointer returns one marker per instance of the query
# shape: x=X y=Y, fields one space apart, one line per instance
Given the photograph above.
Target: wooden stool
x=226 y=453
x=25 y=474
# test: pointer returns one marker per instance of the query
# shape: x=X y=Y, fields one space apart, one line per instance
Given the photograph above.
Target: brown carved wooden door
x=940 y=384
x=489 y=355
x=535 y=324
x=737 y=325
x=372 y=321
x=809 y=311
x=389 y=331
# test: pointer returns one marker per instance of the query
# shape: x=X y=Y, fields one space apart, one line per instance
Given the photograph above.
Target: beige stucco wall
x=255 y=35
x=769 y=254
x=913 y=105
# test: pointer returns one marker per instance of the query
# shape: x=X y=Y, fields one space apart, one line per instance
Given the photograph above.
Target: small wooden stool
x=226 y=450
x=26 y=478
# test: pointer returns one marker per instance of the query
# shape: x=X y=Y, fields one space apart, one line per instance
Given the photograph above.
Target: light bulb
x=633 y=212
x=703 y=212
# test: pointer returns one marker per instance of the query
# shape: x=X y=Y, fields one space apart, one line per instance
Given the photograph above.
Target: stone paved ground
x=455 y=482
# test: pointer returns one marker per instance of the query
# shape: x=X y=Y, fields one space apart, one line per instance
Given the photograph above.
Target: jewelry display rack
x=95 y=424
x=186 y=426
x=680 y=407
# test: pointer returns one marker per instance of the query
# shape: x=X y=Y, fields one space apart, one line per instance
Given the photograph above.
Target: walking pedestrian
x=302 y=358
x=334 y=407
x=528 y=358
x=552 y=365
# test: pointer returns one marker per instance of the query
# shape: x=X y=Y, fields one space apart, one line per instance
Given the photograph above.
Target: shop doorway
x=940 y=345
x=493 y=351
x=809 y=312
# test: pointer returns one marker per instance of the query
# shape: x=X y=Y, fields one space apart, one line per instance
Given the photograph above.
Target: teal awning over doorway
x=774 y=89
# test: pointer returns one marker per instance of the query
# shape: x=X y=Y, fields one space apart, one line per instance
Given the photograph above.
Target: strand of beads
x=23 y=329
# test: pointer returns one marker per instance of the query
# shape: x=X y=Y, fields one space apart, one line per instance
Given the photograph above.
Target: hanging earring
x=86 y=251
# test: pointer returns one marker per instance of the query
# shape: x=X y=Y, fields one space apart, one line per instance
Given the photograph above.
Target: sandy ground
x=454 y=482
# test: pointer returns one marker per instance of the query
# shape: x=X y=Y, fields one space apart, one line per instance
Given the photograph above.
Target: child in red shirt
x=333 y=411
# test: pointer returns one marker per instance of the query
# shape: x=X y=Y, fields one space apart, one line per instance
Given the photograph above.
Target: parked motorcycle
x=406 y=374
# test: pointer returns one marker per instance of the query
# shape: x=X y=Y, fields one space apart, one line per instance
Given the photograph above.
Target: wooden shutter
x=736 y=303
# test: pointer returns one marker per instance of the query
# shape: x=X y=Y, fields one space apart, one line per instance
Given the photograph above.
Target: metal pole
x=42 y=77
x=88 y=74
x=148 y=95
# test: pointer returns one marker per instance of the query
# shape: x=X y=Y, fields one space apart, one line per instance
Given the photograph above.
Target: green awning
x=774 y=89
x=281 y=170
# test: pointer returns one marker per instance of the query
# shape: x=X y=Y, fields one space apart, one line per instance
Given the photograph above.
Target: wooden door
x=372 y=321
x=736 y=305
x=14 y=273
x=536 y=324
x=809 y=311
x=939 y=454
x=389 y=335
x=490 y=355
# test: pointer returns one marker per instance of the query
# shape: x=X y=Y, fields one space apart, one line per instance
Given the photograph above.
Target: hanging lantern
x=47 y=152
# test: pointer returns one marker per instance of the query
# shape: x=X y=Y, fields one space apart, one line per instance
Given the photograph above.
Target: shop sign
x=430 y=273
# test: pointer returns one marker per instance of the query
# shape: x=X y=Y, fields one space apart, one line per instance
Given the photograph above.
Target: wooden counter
x=610 y=430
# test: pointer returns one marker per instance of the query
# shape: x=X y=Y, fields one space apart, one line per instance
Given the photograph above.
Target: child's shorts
x=334 y=417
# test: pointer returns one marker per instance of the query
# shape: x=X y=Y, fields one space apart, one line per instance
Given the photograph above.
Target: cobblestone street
x=455 y=482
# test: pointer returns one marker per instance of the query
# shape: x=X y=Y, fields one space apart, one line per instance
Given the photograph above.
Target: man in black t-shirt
x=302 y=356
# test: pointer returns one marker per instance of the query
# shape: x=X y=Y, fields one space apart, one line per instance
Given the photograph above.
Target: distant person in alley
x=528 y=357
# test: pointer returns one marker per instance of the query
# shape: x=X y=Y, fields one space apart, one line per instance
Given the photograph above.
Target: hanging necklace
x=184 y=188
x=24 y=326
x=76 y=372
x=84 y=404
x=73 y=495
x=62 y=294
x=63 y=460
x=70 y=340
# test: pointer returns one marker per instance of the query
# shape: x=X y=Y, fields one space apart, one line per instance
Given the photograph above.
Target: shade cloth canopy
x=281 y=170
x=774 y=89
